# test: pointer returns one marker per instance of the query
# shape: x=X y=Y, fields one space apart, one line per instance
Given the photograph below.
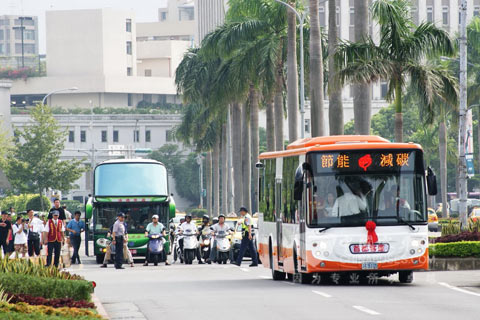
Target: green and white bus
x=139 y=189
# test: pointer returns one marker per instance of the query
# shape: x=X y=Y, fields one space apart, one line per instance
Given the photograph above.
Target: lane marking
x=323 y=294
x=264 y=277
x=245 y=269
x=289 y=283
x=366 y=310
x=458 y=289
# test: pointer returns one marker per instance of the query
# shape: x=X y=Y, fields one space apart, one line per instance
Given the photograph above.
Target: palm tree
x=246 y=156
x=316 y=73
x=292 y=74
x=362 y=98
x=335 y=105
x=400 y=55
x=254 y=138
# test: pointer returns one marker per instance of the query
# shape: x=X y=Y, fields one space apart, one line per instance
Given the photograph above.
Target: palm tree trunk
x=292 y=75
x=237 y=154
x=316 y=74
x=362 y=99
x=270 y=125
x=255 y=142
x=279 y=109
x=335 y=105
x=398 y=113
x=224 y=165
x=216 y=178
x=209 y=183
x=230 y=191
x=246 y=157
x=442 y=148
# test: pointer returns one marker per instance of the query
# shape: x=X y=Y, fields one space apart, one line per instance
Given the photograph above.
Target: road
x=231 y=292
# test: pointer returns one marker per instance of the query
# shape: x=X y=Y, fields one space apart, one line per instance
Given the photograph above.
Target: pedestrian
x=53 y=235
x=118 y=235
x=75 y=227
x=11 y=237
x=20 y=229
x=247 y=239
x=5 y=232
x=35 y=229
x=57 y=208
x=68 y=214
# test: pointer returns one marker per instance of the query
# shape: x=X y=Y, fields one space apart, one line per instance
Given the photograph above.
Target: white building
x=12 y=29
x=96 y=51
x=209 y=14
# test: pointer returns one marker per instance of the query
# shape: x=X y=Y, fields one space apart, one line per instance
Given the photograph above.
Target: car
x=475 y=214
x=432 y=220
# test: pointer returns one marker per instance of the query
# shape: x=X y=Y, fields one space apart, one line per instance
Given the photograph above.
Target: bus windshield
x=349 y=188
x=131 y=179
x=137 y=215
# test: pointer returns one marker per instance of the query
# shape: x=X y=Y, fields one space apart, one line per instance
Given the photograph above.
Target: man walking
x=5 y=232
x=247 y=239
x=54 y=238
x=118 y=234
x=75 y=227
x=57 y=208
x=35 y=229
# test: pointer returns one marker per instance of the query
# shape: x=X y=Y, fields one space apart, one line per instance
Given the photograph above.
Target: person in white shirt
x=221 y=226
x=20 y=231
x=351 y=202
x=190 y=225
x=35 y=229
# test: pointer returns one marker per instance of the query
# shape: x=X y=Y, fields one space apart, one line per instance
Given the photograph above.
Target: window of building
x=148 y=72
x=168 y=136
x=307 y=125
x=383 y=89
x=186 y=14
x=129 y=71
x=147 y=98
x=104 y=135
x=7 y=34
x=148 y=137
x=18 y=33
x=321 y=16
x=414 y=14
x=29 y=34
x=129 y=47
x=2 y=48
x=163 y=16
x=445 y=15
x=476 y=11
x=71 y=136
x=430 y=14
x=136 y=136
x=1 y=35
x=115 y=135
x=352 y=16
x=128 y=25
x=28 y=48
x=337 y=16
x=129 y=100
x=83 y=136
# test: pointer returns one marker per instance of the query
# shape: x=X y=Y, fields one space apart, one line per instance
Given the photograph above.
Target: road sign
x=116 y=150
x=143 y=150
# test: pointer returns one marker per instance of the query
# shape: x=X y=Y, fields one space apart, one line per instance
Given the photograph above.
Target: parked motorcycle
x=190 y=244
x=156 y=248
x=223 y=247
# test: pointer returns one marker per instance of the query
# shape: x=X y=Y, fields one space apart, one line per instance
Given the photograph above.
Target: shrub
x=41 y=316
x=198 y=213
x=455 y=249
x=55 y=303
x=464 y=236
x=35 y=204
x=46 y=287
x=18 y=202
x=65 y=312
x=450 y=228
x=27 y=267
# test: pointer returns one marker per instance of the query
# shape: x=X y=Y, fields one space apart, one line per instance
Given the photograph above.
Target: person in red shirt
x=54 y=238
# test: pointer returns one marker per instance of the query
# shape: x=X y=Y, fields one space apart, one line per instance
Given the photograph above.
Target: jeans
x=53 y=248
x=75 y=241
x=33 y=247
x=247 y=243
x=118 y=251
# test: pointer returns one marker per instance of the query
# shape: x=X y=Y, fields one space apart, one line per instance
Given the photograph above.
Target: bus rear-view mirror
x=431 y=182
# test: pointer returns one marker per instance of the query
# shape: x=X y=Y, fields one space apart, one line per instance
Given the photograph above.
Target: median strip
x=366 y=310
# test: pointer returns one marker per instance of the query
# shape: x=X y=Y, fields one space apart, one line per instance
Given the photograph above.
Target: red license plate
x=369 y=248
x=133 y=251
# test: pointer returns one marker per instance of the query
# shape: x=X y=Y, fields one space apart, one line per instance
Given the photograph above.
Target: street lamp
x=462 y=177
x=57 y=91
x=199 y=159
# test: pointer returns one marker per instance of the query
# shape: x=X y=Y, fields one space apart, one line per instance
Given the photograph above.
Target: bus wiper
x=324 y=229
x=407 y=223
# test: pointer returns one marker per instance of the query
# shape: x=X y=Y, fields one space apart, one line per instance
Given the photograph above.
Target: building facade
x=209 y=14
x=18 y=34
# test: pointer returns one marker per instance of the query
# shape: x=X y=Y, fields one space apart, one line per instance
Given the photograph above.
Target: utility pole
x=462 y=209
x=200 y=178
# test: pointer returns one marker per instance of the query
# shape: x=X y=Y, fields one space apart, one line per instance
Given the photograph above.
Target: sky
x=145 y=10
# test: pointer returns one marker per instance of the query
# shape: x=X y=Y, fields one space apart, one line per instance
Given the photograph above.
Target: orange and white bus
x=345 y=208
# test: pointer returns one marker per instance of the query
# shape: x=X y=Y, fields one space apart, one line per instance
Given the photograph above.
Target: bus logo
x=365 y=162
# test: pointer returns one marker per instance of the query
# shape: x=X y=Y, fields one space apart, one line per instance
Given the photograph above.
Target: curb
x=100 y=309
x=454 y=264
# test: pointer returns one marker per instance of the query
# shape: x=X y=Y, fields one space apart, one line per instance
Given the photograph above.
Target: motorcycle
x=205 y=244
x=155 y=248
x=190 y=244
x=223 y=247
x=177 y=251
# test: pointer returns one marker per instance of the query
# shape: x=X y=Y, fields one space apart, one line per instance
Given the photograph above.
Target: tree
x=168 y=154
x=400 y=55
x=335 y=105
x=316 y=73
x=35 y=163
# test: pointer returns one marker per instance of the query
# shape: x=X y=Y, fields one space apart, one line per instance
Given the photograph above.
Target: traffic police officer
x=118 y=235
x=247 y=239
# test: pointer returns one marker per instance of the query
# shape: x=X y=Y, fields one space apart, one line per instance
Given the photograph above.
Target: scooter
x=155 y=247
x=190 y=244
x=177 y=251
x=223 y=247
x=205 y=244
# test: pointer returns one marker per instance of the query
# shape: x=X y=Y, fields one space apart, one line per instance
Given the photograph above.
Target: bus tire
x=99 y=258
x=300 y=277
x=276 y=275
x=405 y=276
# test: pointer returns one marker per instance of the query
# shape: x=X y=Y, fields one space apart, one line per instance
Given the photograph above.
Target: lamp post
x=57 y=91
x=200 y=177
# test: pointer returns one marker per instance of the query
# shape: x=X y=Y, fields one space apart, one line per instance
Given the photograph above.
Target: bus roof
x=332 y=143
x=131 y=161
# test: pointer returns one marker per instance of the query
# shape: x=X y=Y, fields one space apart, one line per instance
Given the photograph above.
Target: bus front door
x=303 y=207
x=279 y=220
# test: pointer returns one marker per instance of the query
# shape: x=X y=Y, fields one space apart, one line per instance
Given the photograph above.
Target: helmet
x=214 y=220
x=221 y=215
x=188 y=215
x=205 y=217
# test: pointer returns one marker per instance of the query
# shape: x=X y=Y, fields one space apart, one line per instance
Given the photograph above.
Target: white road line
x=459 y=289
x=366 y=310
x=289 y=283
x=264 y=277
x=245 y=269
x=323 y=294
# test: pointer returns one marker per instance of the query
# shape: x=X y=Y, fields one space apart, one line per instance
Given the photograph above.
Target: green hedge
x=35 y=204
x=46 y=287
x=455 y=249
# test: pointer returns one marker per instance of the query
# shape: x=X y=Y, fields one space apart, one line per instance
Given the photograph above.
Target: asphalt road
x=230 y=292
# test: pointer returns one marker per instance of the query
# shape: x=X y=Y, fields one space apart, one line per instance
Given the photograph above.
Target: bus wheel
x=405 y=276
x=276 y=275
x=99 y=258
x=300 y=277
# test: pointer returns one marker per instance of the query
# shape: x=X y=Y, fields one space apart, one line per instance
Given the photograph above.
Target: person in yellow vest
x=53 y=236
x=247 y=239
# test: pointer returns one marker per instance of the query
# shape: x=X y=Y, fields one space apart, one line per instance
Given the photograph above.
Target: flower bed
x=63 y=313
x=455 y=249
x=464 y=236
x=55 y=303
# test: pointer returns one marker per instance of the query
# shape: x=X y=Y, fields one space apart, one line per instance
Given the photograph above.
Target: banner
x=469 y=145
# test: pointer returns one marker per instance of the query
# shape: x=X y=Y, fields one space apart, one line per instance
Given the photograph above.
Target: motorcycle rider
x=154 y=227
x=220 y=226
x=189 y=224
x=205 y=227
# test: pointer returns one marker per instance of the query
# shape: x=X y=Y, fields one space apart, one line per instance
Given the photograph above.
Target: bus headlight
x=323 y=245
x=317 y=254
x=415 y=243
